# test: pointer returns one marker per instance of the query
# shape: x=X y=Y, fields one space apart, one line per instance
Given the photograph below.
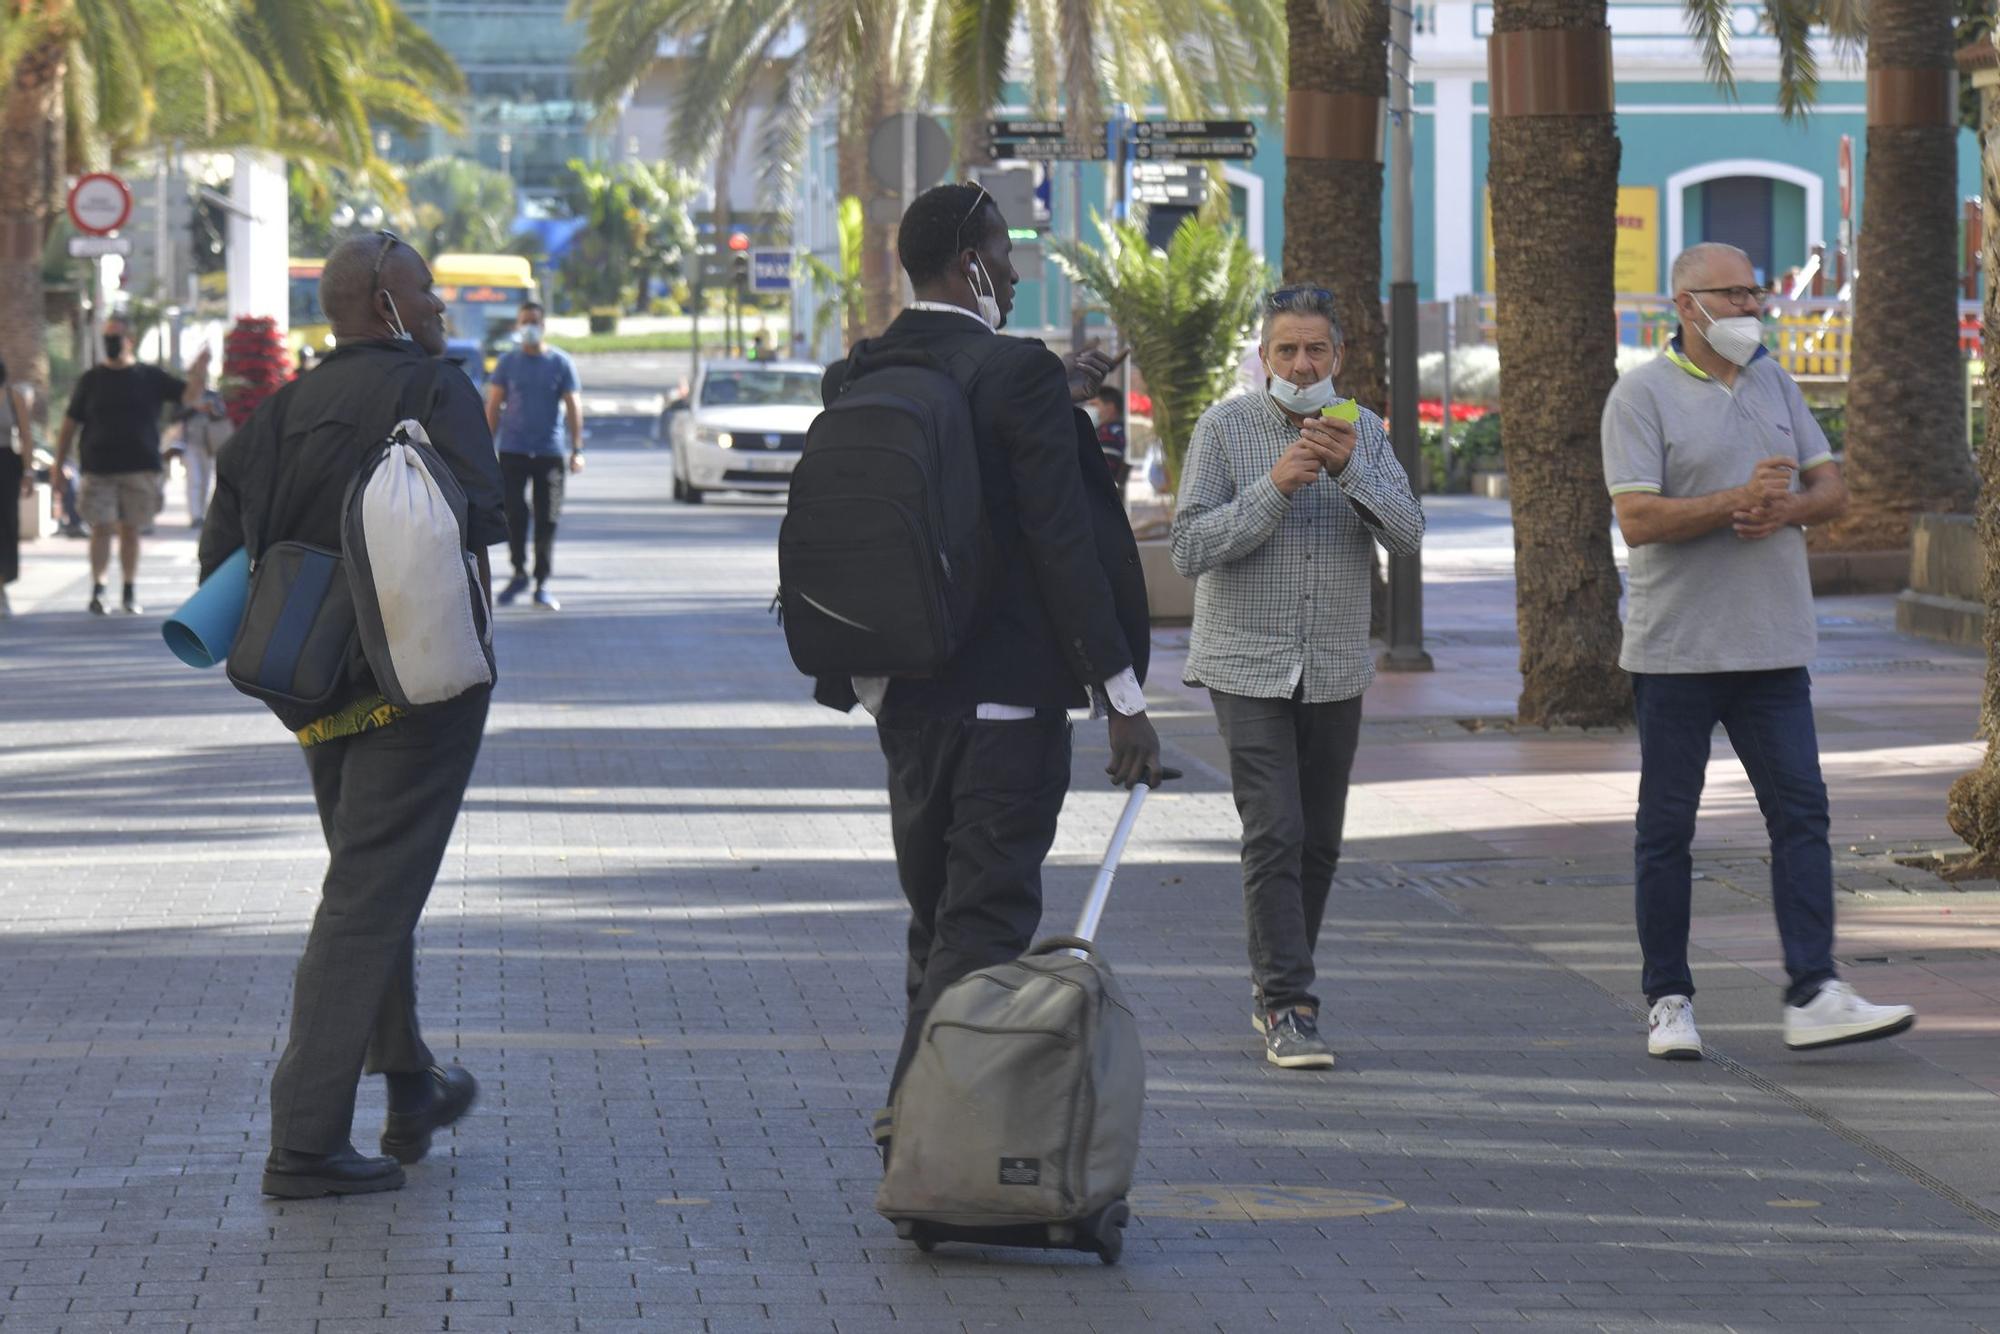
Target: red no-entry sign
x=99 y=203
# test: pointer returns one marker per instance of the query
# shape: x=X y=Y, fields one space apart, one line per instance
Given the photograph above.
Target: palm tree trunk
x=31 y=147
x=1554 y=178
x=881 y=208
x=1333 y=183
x=1905 y=429
x=1333 y=200
x=1973 y=806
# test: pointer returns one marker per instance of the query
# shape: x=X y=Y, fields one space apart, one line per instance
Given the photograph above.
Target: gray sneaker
x=1292 y=1040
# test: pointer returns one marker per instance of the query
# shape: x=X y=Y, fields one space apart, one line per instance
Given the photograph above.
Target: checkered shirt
x=1281 y=592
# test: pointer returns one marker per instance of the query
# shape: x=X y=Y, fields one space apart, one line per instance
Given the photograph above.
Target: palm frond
x=977 y=36
x=1708 y=22
x=1798 y=68
x=1186 y=312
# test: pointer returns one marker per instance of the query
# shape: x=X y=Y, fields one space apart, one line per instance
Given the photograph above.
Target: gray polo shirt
x=1716 y=603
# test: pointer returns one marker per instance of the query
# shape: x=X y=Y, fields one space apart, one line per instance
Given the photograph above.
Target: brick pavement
x=667 y=941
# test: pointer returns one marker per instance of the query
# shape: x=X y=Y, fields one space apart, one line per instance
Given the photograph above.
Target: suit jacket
x=1065 y=602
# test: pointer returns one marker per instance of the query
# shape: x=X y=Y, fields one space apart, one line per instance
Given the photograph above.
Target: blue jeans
x=1769 y=718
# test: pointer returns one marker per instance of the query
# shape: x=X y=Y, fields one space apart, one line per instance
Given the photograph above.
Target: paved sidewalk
x=667 y=939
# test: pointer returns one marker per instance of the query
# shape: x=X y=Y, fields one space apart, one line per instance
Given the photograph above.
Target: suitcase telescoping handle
x=1100 y=889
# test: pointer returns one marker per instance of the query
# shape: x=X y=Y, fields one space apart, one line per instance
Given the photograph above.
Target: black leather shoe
x=291 y=1175
x=449 y=1093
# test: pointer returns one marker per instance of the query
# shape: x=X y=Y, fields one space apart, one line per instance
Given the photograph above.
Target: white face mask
x=1735 y=338
x=1301 y=401
x=396 y=330
x=989 y=300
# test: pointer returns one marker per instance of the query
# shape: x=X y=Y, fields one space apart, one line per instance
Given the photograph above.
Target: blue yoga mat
x=201 y=632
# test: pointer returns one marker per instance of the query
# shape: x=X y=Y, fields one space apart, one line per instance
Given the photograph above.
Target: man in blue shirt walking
x=528 y=387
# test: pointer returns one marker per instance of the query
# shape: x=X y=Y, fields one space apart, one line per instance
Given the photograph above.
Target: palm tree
x=1083 y=54
x=309 y=78
x=876 y=58
x=1553 y=173
x=1339 y=78
x=869 y=56
x=1337 y=84
x=1973 y=806
x=459 y=204
x=1185 y=311
x=1905 y=428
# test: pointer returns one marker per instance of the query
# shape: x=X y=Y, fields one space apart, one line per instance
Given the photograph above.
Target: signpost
x=770 y=270
x=1169 y=183
x=99 y=203
x=95 y=247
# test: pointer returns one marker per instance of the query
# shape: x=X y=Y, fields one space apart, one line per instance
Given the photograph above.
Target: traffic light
x=739 y=267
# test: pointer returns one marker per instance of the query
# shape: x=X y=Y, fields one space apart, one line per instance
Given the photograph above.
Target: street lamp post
x=1406 y=573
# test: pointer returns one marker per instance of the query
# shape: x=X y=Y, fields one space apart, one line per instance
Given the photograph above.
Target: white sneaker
x=1838 y=1015
x=1670 y=1031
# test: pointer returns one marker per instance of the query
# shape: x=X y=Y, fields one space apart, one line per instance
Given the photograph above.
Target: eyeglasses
x=1735 y=295
x=1285 y=297
x=389 y=242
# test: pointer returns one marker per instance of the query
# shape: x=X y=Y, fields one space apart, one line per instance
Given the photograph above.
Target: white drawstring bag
x=417 y=598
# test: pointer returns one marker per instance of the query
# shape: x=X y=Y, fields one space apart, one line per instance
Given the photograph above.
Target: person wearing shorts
x=116 y=411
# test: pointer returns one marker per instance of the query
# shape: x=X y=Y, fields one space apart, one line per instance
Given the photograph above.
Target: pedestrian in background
x=199 y=432
x=531 y=385
x=17 y=480
x=116 y=409
x=388 y=783
x=1107 y=414
x=1280 y=509
x=1716 y=466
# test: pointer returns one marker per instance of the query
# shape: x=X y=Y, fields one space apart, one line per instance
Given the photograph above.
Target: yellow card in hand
x=1347 y=410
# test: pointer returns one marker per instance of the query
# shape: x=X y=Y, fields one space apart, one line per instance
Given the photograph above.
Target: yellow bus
x=480 y=295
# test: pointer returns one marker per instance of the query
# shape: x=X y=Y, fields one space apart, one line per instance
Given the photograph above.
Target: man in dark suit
x=979 y=755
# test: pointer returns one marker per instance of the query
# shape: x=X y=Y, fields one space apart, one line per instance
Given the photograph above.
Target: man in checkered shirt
x=1278 y=508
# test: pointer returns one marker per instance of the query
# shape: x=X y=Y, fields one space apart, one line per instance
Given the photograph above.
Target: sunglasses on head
x=1285 y=296
x=389 y=242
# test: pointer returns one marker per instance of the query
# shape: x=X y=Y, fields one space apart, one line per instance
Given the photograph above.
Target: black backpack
x=882 y=552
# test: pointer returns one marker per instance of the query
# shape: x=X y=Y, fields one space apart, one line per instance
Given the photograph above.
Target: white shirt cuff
x=1125 y=693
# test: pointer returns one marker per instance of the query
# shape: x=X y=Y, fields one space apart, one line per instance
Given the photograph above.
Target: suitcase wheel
x=910 y=1230
x=1110 y=1232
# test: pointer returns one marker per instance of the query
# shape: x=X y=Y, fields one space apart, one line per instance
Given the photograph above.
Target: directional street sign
x=1049 y=150
x=1175 y=183
x=1194 y=129
x=92 y=247
x=1183 y=150
x=770 y=270
x=1026 y=129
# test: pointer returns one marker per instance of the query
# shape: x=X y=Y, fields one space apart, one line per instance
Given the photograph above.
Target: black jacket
x=1065 y=604
x=312 y=436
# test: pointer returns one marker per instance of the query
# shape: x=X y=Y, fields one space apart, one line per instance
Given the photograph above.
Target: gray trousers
x=387 y=801
x=1289 y=763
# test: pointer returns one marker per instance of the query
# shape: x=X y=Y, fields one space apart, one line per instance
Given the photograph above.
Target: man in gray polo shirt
x=1716 y=467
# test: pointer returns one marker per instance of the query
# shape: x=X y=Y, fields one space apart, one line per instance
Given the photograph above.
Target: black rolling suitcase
x=1017 y=1123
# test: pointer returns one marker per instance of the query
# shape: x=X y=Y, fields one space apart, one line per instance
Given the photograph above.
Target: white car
x=743 y=428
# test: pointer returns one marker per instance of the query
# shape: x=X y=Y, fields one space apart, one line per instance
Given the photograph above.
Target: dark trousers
x=1289 y=763
x=1769 y=718
x=387 y=801
x=972 y=811
x=11 y=468
x=540 y=476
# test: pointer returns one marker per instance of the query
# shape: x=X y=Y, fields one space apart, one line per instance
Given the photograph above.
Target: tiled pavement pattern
x=667 y=941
